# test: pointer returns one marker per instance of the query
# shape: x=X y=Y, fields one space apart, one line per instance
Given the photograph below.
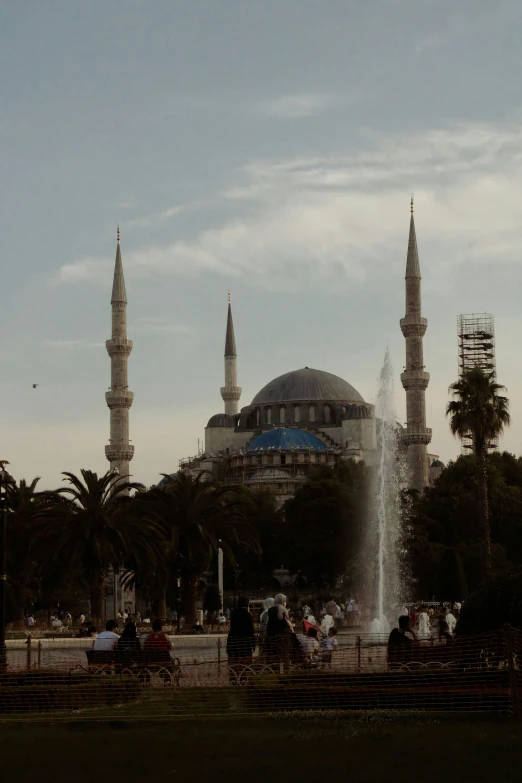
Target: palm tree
x=197 y=516
x=92 y=524
x=27 y=508
x=480 y=411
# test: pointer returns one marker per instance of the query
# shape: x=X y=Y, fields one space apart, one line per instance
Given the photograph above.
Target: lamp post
x=220 y=574
x=5 y=480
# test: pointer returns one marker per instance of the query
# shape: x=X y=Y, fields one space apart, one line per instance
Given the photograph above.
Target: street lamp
x=5 y=480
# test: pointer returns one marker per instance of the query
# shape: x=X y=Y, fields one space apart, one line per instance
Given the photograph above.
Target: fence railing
x=466 y=674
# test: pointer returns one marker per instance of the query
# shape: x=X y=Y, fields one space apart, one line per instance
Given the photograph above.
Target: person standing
x=278 y=631
x=263 y=618
x=328 y=645
x=241 y=640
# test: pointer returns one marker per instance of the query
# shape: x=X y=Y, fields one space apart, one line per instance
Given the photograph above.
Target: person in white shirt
x=327 y=623
x=452 y=622
x=108 y=639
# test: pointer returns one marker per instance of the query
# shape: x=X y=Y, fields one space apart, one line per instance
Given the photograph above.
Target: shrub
x=497 y=600
x=59 y=691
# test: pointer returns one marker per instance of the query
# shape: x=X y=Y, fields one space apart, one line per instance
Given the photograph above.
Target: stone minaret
x=119 y=398
x=414 y=379
x=230 y=392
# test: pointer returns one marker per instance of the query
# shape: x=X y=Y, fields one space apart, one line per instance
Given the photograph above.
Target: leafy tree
x=26 y=508
x=447 y=516
x=498 y=600
x=452 y=579
x=212 y=600
x=478 y=409
x=91 y=524
x=197 y=516
x=258 y=507
x=324 y=524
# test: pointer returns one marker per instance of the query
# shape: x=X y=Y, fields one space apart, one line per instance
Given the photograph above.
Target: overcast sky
x=267 y=147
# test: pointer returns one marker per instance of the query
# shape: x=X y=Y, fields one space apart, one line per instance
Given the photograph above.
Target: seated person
x=128 y=642
x=156 y=641
x=107 y=639
x=400 y=645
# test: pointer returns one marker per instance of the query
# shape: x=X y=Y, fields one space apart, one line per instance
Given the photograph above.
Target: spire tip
x=118 y=233
x=229 y=297
x=411 y=204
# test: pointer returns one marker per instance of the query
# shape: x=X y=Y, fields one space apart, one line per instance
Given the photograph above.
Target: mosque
x=304 y=418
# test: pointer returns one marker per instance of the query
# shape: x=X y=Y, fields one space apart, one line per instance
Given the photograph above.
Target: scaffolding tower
x=476 y=335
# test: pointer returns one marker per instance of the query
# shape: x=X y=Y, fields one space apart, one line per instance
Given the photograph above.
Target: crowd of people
x=422 y=623
x=129 y=641
x=277 y=639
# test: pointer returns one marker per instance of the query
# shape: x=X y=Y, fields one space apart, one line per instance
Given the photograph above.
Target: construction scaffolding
x=476 y=336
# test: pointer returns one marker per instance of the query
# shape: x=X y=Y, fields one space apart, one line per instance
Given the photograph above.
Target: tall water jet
x=387 y=534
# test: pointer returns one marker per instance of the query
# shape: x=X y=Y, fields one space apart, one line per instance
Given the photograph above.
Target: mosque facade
x=304 y=418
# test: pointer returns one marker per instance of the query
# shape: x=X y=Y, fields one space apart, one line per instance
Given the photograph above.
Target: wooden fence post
x=219 y=655
x=512 y=672
x=39 y=652
x=358 y=643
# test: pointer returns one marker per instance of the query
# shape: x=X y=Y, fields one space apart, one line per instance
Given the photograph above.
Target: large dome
x=307 y=384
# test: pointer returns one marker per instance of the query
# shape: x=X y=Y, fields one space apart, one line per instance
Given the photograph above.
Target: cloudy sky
x=269 y=148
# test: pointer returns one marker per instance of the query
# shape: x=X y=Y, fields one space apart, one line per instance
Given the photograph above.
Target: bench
x=139 y=664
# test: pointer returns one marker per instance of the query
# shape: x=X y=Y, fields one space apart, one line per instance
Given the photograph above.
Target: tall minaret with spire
x=119 y=398
x=414 y=379
x=230 y=392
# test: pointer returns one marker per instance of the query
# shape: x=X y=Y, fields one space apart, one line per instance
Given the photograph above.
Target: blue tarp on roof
x=286 y=439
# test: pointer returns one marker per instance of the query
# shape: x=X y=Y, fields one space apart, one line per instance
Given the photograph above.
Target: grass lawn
x=376 y=748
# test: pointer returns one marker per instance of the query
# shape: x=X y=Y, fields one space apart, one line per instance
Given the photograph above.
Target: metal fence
x=53 y=680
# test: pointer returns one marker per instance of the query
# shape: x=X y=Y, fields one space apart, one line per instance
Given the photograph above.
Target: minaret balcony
x=119 y=398
x=415 y=380
x=415 y=435
x=229 y=393
x=122 y=453
x=414 y=326
x=118 y=346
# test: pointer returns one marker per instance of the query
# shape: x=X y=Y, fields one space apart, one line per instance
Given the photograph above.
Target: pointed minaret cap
x=230 y=341
x=119 y=295
x=412 y=261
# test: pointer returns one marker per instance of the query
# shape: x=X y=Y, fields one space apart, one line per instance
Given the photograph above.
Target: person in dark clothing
x=280 y=637
x=241 y=640
x=128 y=641
x=400 y=645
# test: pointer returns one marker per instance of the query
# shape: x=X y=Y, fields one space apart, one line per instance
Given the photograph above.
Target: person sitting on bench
x=156 y=641
x=108 y=639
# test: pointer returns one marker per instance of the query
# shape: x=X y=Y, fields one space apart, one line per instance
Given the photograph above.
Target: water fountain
x=386 y=530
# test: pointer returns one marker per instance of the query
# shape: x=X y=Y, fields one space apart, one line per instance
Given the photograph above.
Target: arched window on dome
x=269 y=416
x=311 y=412
x=282 y=414
x=258 y=417
x=327 y=413
x=297 y=413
